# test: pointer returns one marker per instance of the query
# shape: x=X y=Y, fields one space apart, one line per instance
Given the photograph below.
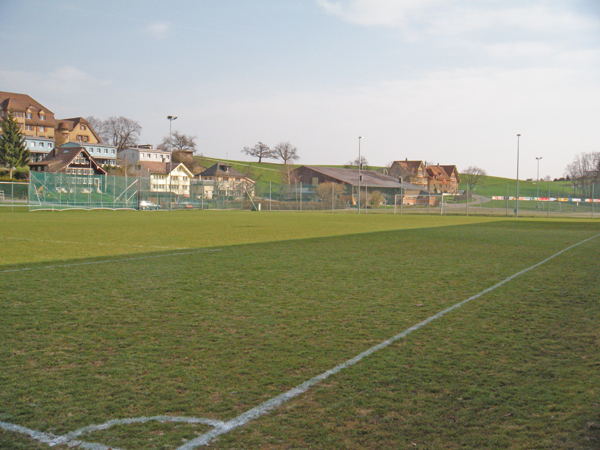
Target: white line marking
x=275 y=402
x=105 y=261
x=265 y=407
x=52 y=440
x=70 y=440
x=88 y=243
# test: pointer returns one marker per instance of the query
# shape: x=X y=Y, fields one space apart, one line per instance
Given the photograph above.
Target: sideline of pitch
x=221 y=428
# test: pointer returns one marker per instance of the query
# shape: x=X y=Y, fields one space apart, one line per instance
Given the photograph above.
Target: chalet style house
x=68 y=160
x=432 y=178
x=227 y=181
x=412 y=172
x=443 y=179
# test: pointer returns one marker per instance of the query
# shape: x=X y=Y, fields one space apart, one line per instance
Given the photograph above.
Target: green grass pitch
x=116 y=315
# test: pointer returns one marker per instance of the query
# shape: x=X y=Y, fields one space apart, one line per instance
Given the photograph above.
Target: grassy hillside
x=490 y=186
x=269 y=172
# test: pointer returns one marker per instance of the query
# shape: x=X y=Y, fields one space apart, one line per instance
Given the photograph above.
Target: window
x=42 y=144
x=49 y=144
x=66 y=135
x=86 y=138
x=32 y=144
x=42 y=117
x=83 y=127
x=29 y=128
x=29 y=115
x=106 y=150
x=113 y=151
x=42 y=128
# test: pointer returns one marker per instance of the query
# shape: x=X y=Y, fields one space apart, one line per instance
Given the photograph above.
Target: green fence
x=58 y=192
x=13 y=196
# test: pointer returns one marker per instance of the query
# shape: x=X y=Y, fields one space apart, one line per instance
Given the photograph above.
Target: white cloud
x=158 y=30
x=450 y=18
x=374 y=12
x=63 y=80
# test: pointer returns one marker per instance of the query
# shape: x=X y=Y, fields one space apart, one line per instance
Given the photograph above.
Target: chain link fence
x=58 y=192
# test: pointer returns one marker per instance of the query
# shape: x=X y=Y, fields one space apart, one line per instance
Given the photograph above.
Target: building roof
x=437 y=173
x=23 y=102
x=162 y=168
x=370 y=178
x=222 y=170
x=60 y=158
x=449 y=170
x=410 y=167
x=73 y=122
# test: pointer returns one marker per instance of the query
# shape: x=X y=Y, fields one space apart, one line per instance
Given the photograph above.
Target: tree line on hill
x=584 y=173
x=123 y=132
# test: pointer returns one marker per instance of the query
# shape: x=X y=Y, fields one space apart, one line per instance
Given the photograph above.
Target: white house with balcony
x=143 y=153
x=165 y=176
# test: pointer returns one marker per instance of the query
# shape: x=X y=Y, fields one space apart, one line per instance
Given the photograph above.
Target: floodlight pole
x=359 y=138
x=170 y=119
x=517 y=198
x=538 y=180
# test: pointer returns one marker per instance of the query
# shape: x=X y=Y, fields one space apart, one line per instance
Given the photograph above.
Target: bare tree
x=376 y=199
x=288 y=177
x=286 y=152
x=329 y=193
x=364 y=164
x=473 y=175
x=99 y=127
x=584 y=171
x=260 y=151
x=122 y=132
x=178 y=142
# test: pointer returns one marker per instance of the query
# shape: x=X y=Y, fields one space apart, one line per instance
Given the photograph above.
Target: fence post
x=592 y=200
x=332 y=196
x=506 y=199
x=548 y=200
x=429 y=203
x=467 y=199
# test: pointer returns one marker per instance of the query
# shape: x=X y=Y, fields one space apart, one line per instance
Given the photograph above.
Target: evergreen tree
x=13 y=152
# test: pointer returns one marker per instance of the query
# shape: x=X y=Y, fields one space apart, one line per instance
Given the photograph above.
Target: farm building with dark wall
x=312 y=176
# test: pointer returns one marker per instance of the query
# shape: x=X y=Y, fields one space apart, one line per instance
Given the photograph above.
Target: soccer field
x=195 y=329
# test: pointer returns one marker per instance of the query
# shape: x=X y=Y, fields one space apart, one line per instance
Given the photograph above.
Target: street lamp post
x=538 y=180
x=359 y=138
x=517 y=198
x=170 y=119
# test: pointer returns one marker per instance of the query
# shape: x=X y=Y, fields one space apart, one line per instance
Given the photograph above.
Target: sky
x=444 y=81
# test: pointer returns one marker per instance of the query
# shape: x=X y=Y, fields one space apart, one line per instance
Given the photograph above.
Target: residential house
x=34 y=119
x=104 y=154
x=413 y=172
x=164 y=176
x=68 y=160
x=144 y=153
x=77 y=130
x=443 y=179
x=227 y=182
x=38 y=147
